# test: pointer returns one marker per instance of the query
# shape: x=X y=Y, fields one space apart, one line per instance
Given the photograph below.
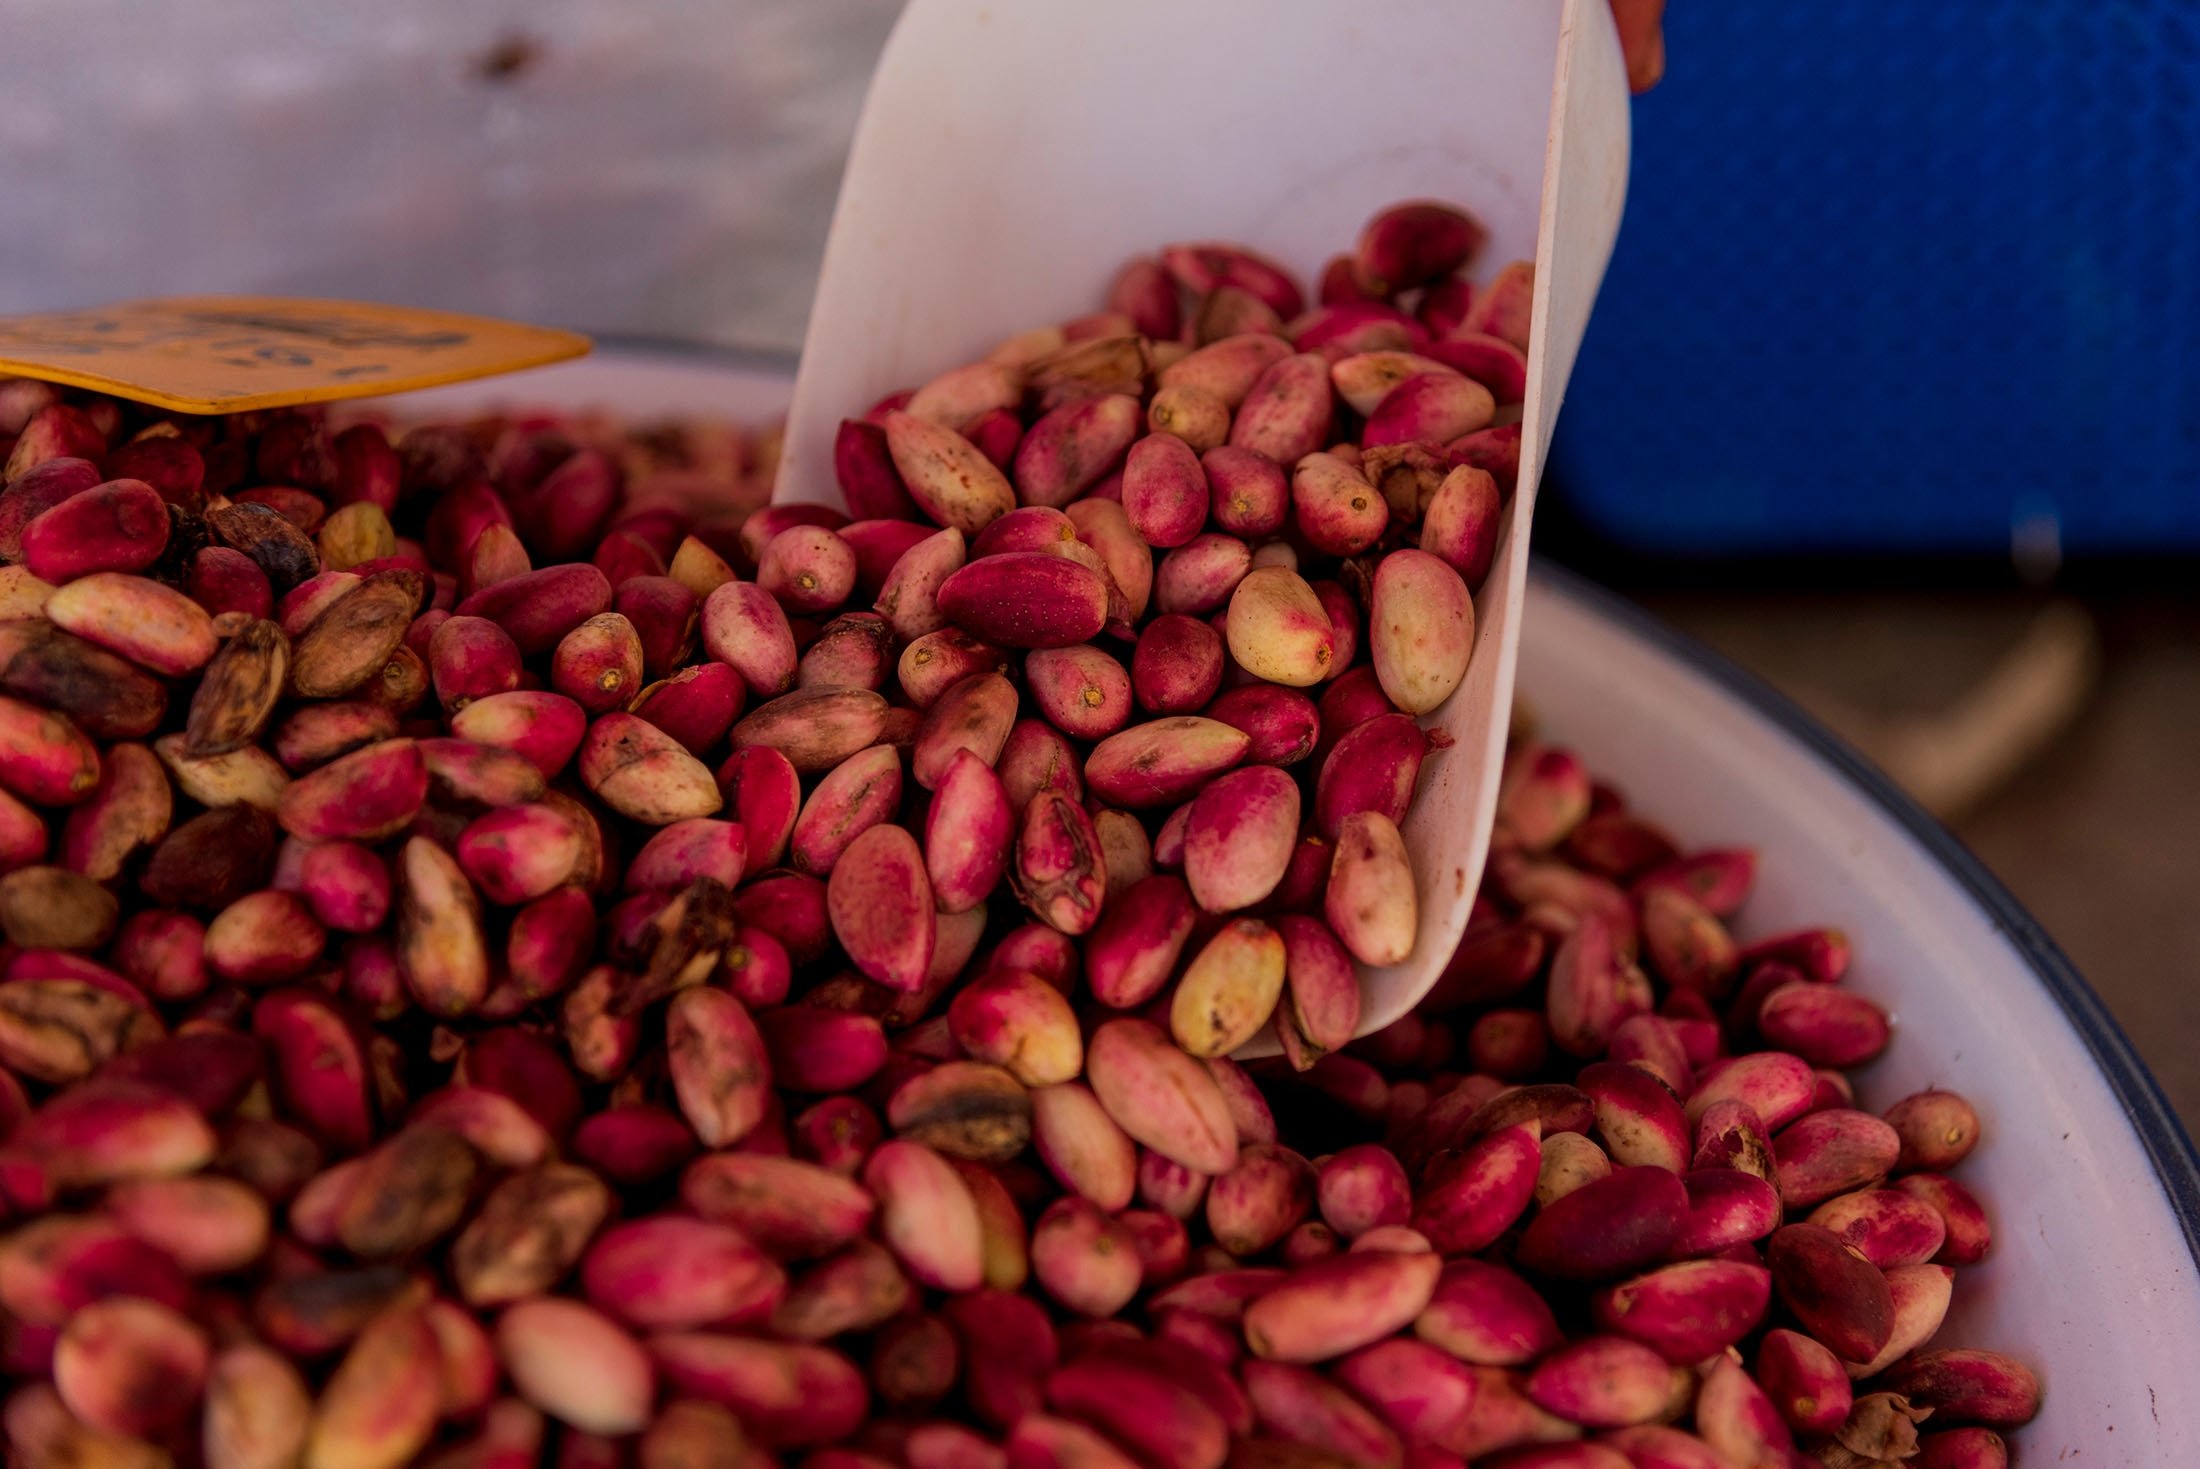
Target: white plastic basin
x=2092 y=1184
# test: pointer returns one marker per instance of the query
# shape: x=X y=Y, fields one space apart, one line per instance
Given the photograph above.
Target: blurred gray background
x=653 y=167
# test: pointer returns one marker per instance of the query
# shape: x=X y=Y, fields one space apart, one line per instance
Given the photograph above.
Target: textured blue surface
x=1903 y=278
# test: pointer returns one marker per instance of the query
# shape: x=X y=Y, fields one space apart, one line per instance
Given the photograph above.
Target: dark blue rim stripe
x=2168 y=1146
x=2160 y=1131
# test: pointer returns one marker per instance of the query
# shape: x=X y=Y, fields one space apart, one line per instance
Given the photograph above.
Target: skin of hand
x=1641 y=40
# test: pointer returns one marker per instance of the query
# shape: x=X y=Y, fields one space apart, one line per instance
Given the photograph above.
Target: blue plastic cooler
x=1916 y=278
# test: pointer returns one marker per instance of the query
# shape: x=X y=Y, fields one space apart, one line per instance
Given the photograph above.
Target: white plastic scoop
x=1013 y=153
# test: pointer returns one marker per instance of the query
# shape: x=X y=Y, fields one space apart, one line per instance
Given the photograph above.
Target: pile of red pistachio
x=519 y=953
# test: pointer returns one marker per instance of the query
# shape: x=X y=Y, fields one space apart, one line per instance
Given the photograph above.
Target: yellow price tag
x=229 y=354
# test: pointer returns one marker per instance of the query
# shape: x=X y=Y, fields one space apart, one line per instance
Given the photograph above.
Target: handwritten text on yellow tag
x=228 y=354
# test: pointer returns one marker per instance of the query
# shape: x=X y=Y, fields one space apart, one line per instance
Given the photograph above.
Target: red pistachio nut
x=1084 y=1148
x=1608 y=1227
x=1839 y=1297
x=1430 y=407
x=1963 y=1448
x=1468 y=1199
x=787 y=1207
x=666 y=1272
x=1689 y=1311
x=927 y=1216
x=1606 y=1382
x=1804 y=1381
x=1141 y=1404
x=1725 y=1208
x=1825 y=1025
x=1278 y=629
x=1832 y=1152
x=1308 y=1414
x=1321 y=1008
x=1242 y=830
x=880 y=901
x=719 y=1067
x=944 y=473
x=1160 y=1096
x=257 y=1409
x=1884 y=1225
x=1938 y=1129
x=1070 y=447
x=576 y=1365
x=34 y=487
x=1201 y=576
x=1338 y=1305
x=1288 y=411
x=1735 y=1418
x=1415 y=244
x=1132 y=952
x=1085 y=1259
x=1921 y=1294
x=130 y=1366
x=1968 y=1386
x=1162 y=761
x=120 y=525
x=380 y=1407
x=1370 y=901
x=1229 y=990
x=1775 y=1085
x=1261 y=1199
x=1968 y=1234
x=1059 y=870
